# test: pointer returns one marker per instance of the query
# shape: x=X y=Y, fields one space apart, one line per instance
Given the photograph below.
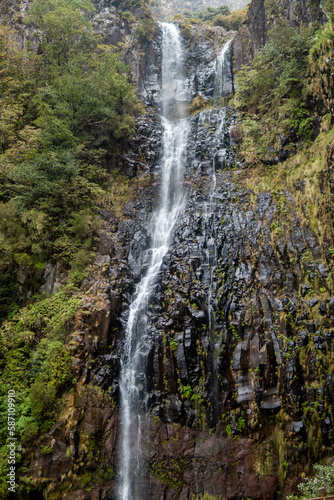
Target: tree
x=274 y=90
x=85 y=95
x=208 y=14
x=63 y=28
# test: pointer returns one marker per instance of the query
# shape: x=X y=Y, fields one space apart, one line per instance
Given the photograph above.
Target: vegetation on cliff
x=220 y=16
x=62 y=109
x=283 y=98
x=66 y=104
x=273 y=95
x=208 y=14
x=286 y=118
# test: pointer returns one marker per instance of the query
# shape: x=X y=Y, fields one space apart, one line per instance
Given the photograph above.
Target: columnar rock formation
x=238 y=385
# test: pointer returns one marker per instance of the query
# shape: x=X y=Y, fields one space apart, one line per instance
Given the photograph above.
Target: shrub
x=208 y=14
x=324 y=478
x=145 y=30
x=130 y=18
x=272 y=95
x=231 y=22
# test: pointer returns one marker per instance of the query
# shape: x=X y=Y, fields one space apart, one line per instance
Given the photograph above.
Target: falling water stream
x=137 y=342
x=223 y=86
x=224 y=75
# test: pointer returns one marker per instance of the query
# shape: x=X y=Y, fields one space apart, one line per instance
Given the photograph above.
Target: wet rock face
x=241 y=341
x=234 y=340
x=235 y=343
x=236 y=334
x=203 y=45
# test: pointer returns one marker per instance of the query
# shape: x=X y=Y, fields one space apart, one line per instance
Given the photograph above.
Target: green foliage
x=9 y=291
x=186 y=391
x=185 y=30
x=208 y=14
x=63 y=29
x=170 y=471
x=86 y=107
x=34 y=340
x=36 y=361
x=173 y=345
x=45 y=450
x=274 y=90
x=328 y=7
x=231 y=22
x=145 y=30
x=324 y=478
x=199 y=103
x=130 y=18
x=41 y=399
x=62 y=111
x=241 y=424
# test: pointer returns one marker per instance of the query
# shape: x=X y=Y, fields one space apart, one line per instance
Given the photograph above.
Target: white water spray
x=137 y=342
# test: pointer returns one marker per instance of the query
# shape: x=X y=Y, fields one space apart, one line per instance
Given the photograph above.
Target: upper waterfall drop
x=174 y=93
x=137 y=342
x=224 y=74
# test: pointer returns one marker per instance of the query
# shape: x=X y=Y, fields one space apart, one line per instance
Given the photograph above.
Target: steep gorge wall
x=260 y=381
x=241 y=390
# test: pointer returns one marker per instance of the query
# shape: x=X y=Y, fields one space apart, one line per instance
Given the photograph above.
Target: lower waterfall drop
x=223 y=86
x=137 y=342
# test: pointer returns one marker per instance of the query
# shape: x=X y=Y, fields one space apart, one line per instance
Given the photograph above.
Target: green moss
x=171 y=471
x=36 y=362
x=199 y=103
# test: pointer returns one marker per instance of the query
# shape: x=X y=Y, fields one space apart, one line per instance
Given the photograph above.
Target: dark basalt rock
x=232 y=343
x=313 y=302
x=323 y=308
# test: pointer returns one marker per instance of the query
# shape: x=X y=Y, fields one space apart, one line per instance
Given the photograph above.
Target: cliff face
x=240 y=390
x=241 y=326
x=263 y=14
x=240 y=385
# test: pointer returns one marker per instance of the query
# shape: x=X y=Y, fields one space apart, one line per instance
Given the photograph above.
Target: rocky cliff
x=240 y=387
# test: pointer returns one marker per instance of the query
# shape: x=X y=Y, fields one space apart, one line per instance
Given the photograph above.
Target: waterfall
x=137 y=343
x=223 y=85
x=224 y=75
